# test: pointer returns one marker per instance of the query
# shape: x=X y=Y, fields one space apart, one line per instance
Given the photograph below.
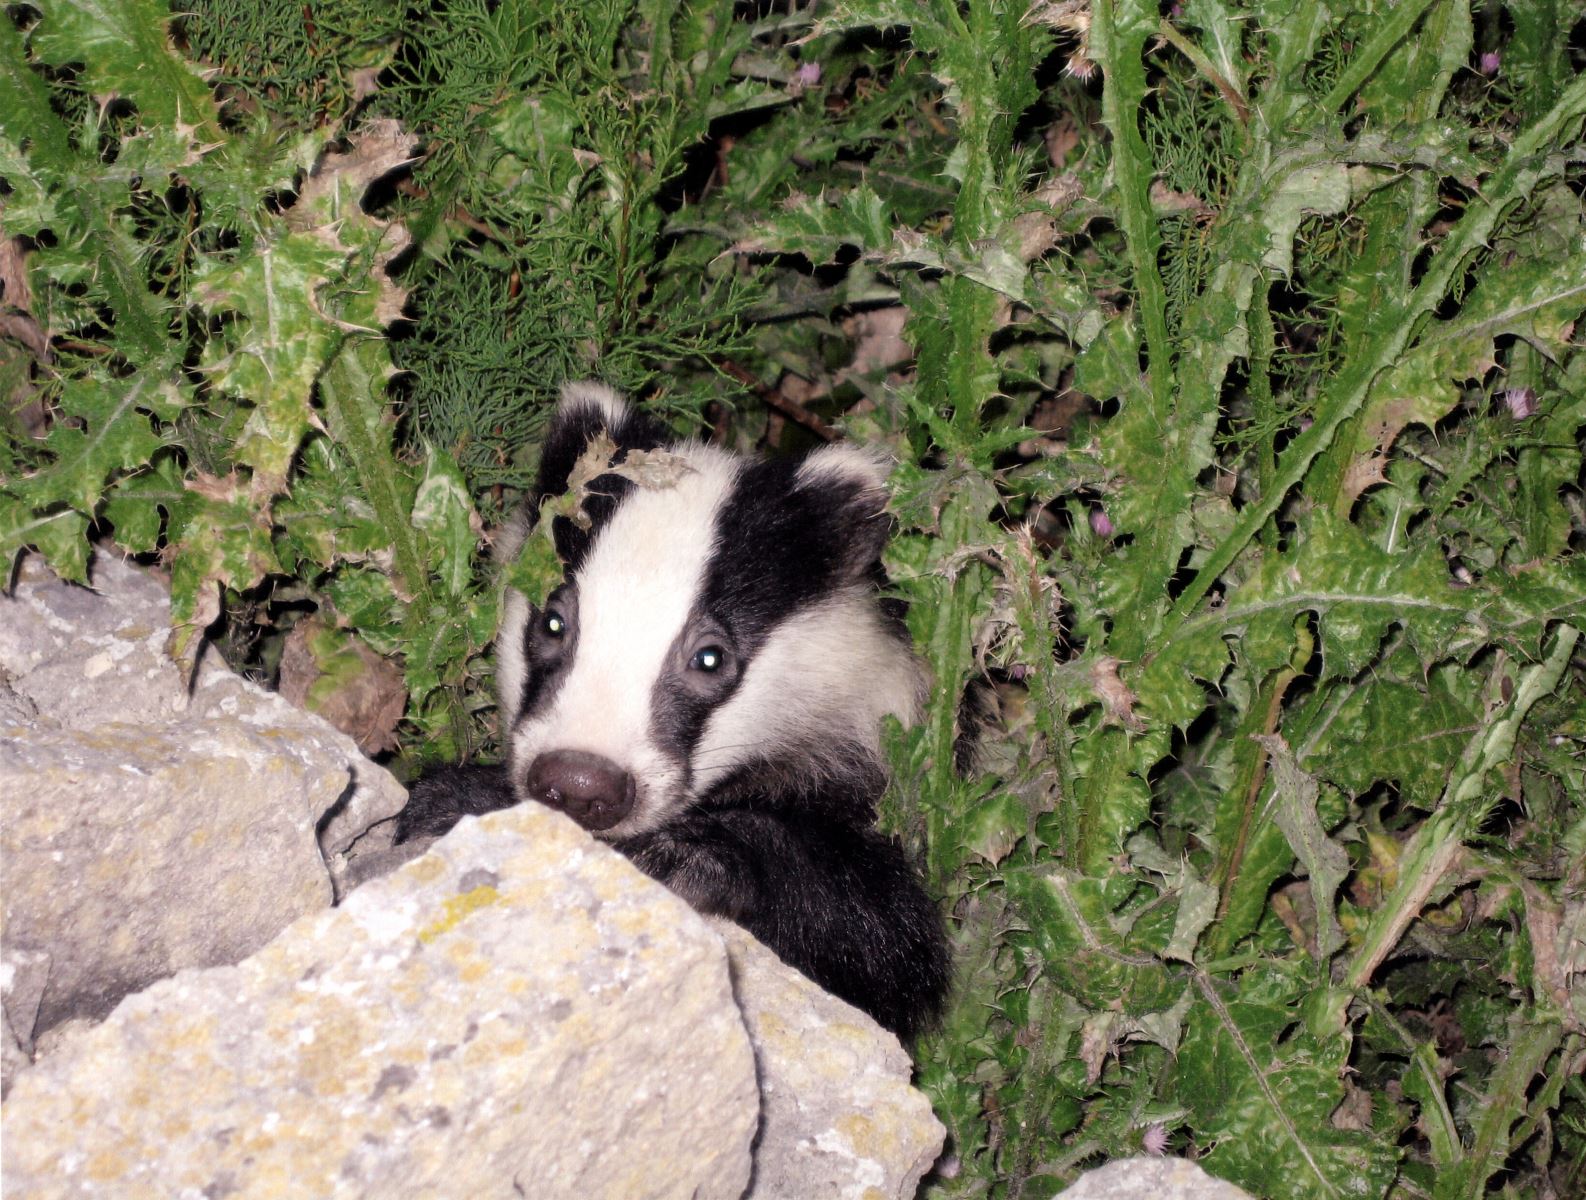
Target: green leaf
x=1325 y=862
x=323 y=521
x=1264 y=1093
x=26 y=119
x=60 y=534
x=820 y=226
x=1083 y=952
x=1544 y=469
x=104 y=428
x=1301 y=187
x=1357 y=590
x=1365 y=742
x=443 y=511
x=125 y=51
x=272 y=359
x=1197 y=899
x=218 y=536
x=994 y=826
x=137 y=505
x=1466 y=802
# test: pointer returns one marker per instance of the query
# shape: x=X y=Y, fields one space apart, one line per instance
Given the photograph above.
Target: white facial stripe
x=512 y=668
x=826 y=677
x=636 y=588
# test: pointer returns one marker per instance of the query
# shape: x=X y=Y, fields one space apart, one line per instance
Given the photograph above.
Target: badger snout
x=594 y=791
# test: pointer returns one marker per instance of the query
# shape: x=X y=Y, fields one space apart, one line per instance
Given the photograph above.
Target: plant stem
x=1437 y=844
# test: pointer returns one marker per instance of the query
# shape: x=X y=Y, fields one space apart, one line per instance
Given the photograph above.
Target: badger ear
x=588 y=408
x=851 y=484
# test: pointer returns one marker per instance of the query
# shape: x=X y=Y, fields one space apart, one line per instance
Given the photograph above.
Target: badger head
x=718 y=630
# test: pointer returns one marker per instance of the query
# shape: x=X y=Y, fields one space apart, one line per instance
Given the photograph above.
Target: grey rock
x=1151 y=1178
x=81 y=657
x=15 y=709
x=838 y=1116
x=85 y=656
x=132 y=851
x=23 y=976
x=146 y=829
x=373 y=855
x=515 y=1010
x=13 y=1058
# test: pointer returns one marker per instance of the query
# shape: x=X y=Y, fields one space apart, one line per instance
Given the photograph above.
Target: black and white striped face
x=723 y=624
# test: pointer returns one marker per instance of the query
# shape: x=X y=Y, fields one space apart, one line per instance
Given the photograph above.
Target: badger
x=706 y=692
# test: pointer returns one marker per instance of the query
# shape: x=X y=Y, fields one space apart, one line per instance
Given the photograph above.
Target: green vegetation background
x=1229 y=354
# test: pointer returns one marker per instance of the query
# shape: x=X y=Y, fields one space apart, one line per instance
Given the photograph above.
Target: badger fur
x=706 y=692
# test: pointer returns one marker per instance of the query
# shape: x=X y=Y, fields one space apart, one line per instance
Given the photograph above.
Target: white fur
x=636 y=589
x=512 y=667
x=850 y=464
x=589 y=394
x=825 y=677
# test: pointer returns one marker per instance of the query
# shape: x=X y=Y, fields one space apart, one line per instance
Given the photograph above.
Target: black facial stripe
x=677 y=718
x=680 y=707
x=569 y=436
x=540 y=686
x=545 y=668
x=779 y=547
x=566 y=440
x=604 y=497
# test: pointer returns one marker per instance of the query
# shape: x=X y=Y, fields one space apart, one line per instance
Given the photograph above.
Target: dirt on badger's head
x=706 y=691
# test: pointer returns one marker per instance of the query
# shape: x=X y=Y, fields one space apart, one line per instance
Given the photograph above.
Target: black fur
x=565 y=441
x=834 y=899
x=442 y=797
x=794 y=859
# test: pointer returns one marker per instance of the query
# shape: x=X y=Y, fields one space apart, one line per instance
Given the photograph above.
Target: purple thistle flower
x=1489 y=63
x=1521 y=402
x=1100 y=523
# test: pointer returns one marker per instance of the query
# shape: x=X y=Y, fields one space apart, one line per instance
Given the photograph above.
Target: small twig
x=1207 y=68
x=773 y=396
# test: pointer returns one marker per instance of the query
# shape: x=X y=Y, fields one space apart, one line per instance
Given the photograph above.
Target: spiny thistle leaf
x=1265 y=1095
x=291 y=328
x=125 y=51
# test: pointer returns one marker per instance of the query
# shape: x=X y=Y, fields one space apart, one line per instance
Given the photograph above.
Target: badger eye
x=553 y=624
x=709 y=659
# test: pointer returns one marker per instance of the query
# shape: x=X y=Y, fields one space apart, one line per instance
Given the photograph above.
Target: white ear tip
x=846 y=463
x=589 y=394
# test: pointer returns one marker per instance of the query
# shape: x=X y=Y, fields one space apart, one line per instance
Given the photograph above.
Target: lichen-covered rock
x=838 y=1116
x=515 y=1013
x=146 y=829
x=518 y=1012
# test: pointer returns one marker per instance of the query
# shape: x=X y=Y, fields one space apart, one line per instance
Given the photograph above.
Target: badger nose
x=594 y=791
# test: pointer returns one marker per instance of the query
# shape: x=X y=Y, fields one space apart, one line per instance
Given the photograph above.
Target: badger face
x=721 y=631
